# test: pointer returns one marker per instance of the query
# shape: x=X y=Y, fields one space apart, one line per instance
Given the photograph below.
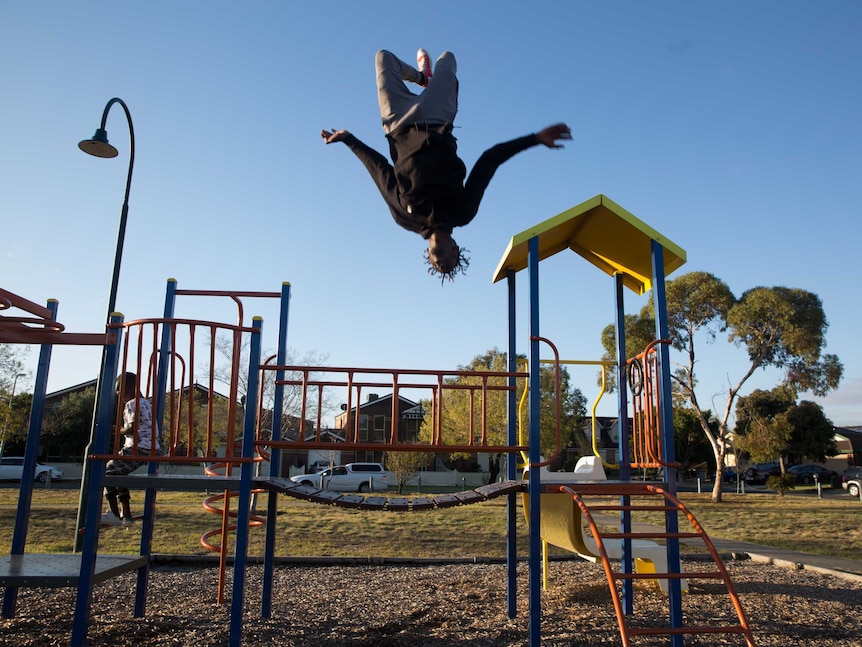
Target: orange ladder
x=643 y=493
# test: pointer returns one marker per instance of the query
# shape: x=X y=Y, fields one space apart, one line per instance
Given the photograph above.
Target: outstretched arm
x=332 y=136
x=551 y=134
x=381 y=172
x=491 y=159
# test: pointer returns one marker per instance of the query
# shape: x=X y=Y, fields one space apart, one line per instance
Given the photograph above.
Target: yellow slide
x=561 y=526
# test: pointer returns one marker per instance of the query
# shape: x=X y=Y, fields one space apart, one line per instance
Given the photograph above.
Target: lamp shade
x=98 y=145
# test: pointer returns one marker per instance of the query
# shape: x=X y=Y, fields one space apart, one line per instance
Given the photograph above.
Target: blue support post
x=31 y=453
x=159 y=396
x=535 y=484
x=623 y=425
x=666 y=421
x=242 y=513
x=101 y=439
x=275 y=456
x=511 y=459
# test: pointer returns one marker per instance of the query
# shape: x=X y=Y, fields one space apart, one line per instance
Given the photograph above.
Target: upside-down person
x=425 y=186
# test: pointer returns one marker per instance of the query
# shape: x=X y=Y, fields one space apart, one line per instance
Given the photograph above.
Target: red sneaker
x=423 y=64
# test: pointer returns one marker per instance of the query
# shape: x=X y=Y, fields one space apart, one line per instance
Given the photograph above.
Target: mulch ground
x=455 y=604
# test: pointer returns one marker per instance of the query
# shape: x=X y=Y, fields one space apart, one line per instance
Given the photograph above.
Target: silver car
x=353 y=477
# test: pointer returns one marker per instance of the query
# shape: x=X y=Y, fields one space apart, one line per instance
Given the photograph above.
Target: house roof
x=605 y=234
x=854 y=435
x=326 y=435
x=200 y=388
x=69 y=390
x=404 y=403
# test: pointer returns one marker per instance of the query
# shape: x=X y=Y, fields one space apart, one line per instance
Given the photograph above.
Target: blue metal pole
x=101 y=440
x=535 y=484
x=31 y=453
x=159 y=396
x=623 y=425
x=511 y=459
x=242 y=513
x=275 y=456
x=665 y=407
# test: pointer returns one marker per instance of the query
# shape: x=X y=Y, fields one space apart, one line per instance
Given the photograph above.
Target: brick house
x=375 y=424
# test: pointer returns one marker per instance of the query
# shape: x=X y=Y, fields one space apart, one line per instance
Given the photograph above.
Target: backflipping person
x=425 y=186
x=137 y=418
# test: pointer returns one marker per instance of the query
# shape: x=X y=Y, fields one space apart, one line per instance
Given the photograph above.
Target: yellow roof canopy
x=605 y=234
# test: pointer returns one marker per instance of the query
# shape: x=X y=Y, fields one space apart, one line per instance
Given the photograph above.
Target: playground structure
x=163 y=353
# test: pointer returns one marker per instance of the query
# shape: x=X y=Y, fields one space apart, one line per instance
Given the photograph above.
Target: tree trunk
x=719 y=470
x=494 y=467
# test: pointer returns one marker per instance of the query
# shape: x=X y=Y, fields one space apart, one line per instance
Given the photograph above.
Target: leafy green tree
x=406 y=465
x=691 y=447
x=778 y=327
x=640 y=331
x=771 y=423
x=66 y=427
x=11 y=367
x=762 y=429
x=14 y=418
x=812 y=433
x=13 y=412
x=457 y=412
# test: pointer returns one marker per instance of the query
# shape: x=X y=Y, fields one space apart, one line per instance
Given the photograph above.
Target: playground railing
x=468 y=395
x=178 y=363
x=643 y=377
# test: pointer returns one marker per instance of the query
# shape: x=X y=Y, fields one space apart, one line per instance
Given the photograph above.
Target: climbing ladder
x=645 y=496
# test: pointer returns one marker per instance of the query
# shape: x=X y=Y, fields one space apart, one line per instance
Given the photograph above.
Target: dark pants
x=119 y=467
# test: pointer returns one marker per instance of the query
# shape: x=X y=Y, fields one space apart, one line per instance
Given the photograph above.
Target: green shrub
x=780 y=483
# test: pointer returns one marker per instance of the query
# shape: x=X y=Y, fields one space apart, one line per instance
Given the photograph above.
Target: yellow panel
x=602 y=232
x=561 y=522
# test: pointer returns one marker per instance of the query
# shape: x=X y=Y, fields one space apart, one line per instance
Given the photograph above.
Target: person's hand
x=551 y=134
x=332 y=136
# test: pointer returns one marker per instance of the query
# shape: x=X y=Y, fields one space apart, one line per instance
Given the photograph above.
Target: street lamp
x=98 y=146
x=9 y=413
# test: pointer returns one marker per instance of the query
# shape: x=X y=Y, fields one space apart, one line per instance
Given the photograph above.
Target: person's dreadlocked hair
x=460 y=266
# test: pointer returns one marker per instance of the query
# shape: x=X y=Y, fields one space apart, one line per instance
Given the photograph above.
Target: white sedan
x=12 y=469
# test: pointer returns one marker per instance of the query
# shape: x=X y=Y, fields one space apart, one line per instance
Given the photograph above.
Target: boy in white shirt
x=137 y=419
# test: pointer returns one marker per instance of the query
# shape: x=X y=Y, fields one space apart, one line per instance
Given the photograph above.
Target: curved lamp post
x=98 y=146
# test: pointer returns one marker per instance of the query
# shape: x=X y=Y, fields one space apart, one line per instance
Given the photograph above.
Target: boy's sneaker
x=127 y=521
x=423 y=64
x=110 y=519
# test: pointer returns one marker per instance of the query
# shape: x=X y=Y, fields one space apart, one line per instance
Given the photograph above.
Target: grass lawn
x=798 y=521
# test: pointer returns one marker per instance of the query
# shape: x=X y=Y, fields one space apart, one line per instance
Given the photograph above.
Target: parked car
x=852 y=481
x=353 y=477
x=12 y=469
x=808 y=474
x=732 y=475
x=760 y=472
x=317 y=466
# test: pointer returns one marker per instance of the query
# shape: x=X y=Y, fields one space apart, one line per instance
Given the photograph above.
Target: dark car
x=852 y=480
x=808 y=474
x=732 y=474
x=760 y=472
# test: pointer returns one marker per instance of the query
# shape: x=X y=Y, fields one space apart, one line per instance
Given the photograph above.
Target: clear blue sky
x=733 y=128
